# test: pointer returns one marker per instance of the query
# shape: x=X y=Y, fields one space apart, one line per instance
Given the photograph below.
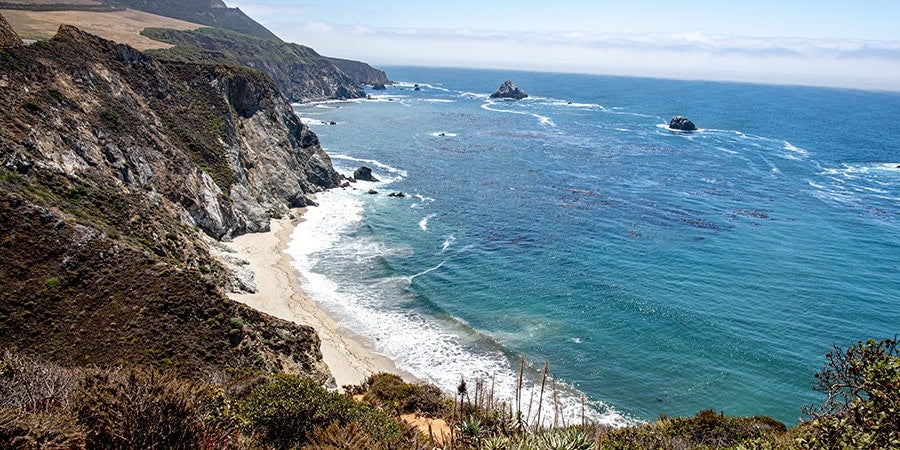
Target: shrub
x=336 y=437
x=24 y=430
x=27 y=384
x=51 y=283
x=391 y=392
x=145 y=409
x=285 y=411
x=862 y=405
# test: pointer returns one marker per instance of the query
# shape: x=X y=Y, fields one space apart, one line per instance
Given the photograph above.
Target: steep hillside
x=300 y=72
x=112 y=166
x=213 y=13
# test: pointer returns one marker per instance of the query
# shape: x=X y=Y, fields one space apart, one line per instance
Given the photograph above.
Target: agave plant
x=471 y=430
x=571 y=439
x=495 y=443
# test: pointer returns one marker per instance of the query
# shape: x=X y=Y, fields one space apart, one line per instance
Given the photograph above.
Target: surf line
x=542 y=119
x=427 y=271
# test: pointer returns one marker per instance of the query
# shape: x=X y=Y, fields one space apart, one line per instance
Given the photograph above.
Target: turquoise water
x=657 y=272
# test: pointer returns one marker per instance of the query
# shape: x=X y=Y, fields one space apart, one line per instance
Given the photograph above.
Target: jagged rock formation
x=509 y=90
x=108 y=158
x=213 y=13
x=300 y=73
x=682 y=124
x=8 y=36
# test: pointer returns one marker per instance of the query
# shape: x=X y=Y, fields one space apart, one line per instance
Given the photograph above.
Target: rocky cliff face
x=108 y=158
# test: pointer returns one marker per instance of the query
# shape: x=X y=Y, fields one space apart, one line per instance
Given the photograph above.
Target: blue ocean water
x=657 y=272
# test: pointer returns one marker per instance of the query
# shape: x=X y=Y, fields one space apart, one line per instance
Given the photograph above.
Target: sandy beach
x=279 y=294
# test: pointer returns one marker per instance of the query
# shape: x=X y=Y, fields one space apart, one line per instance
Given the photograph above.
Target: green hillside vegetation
x=44 y=405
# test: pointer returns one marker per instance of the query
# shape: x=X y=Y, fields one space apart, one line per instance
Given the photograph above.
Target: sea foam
x=435 y=350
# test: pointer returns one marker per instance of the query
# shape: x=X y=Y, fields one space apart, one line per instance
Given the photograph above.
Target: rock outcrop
x=364 y=174
x=8 y=36
x=346 y=92
x=682 y=124
x=111 y=164
x=509 y=90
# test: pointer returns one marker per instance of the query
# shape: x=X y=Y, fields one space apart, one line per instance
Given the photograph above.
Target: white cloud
x=828 y=62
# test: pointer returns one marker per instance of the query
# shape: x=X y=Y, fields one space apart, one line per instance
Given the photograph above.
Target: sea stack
x=509 y=90
x=682 y=124
x=364 y=174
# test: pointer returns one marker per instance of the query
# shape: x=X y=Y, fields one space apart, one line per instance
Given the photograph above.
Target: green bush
x=284 y=412
x=862 y=405
x=51 y=282
x=391 y=392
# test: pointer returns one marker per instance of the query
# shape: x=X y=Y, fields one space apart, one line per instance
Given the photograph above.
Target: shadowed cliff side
x=112 y=165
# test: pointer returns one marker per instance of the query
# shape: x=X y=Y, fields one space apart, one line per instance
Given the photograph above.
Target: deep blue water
x=657 y=272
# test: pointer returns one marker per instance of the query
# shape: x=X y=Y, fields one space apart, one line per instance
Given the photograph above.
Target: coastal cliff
x=300 y=72
x=113 y=167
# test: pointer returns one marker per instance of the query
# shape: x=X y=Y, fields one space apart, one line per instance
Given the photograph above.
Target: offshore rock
x=509 y=90
x=364 y=174
x=682 y=124
x=347 y=92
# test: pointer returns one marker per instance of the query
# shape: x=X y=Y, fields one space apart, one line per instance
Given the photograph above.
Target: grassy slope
x=120 y=26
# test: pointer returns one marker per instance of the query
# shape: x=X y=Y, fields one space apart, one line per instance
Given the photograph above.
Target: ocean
x=656 y=272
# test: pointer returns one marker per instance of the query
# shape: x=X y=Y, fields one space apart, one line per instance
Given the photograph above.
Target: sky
x=822 y=43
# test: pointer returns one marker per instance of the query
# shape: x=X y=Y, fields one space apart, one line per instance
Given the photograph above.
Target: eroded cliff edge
x=112 y=164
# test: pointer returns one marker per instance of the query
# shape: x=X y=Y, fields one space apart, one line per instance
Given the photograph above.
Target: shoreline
x=280 y=294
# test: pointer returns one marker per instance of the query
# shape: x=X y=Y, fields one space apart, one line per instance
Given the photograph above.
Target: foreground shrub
x=28 y=384
x=707 y=429
x=862 y=405
x=285 y=411
x=23 y=430
x=336 y=437
x=391 y=392
x=144 y=409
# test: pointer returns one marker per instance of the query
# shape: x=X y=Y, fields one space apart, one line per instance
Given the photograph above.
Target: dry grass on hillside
x=54 y=2
x=120 y=26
